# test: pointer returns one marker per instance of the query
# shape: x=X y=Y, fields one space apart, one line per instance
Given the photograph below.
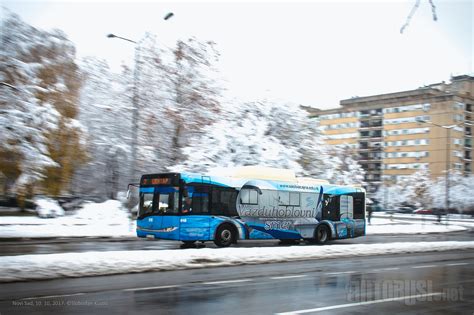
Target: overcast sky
x=311 y=52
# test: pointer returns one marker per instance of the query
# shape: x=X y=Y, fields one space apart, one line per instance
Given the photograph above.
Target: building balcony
x=371 y=135
x=366 y=117
x=374 y=181
x=376 y=138
x=370 y=159
x=379 y=172
x=371 y=127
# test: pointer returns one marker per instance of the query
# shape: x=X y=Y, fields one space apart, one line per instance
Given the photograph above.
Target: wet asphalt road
x=429 y=283
x=74 y=245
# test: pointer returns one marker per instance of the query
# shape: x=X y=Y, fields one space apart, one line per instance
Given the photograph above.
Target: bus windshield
x=159 y=201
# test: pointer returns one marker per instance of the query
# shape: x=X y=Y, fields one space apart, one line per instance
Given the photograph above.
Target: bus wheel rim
x=226 y=235
x=322 y=235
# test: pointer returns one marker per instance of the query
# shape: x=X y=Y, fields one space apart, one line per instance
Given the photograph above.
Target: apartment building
x=397 y=134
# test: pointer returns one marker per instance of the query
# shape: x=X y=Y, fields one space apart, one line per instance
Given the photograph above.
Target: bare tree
x=412 y=13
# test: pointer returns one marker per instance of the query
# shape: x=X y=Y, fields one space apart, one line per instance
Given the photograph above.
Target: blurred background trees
x=65 y=124
x=42 y=142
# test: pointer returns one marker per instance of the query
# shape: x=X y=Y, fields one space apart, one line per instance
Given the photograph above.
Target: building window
x=458 y=105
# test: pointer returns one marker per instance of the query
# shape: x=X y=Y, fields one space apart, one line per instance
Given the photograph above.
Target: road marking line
x=385 y=269
x=332 y=307
x=51 y=296
x=339 y=273
x=151 y=288
x=288 y=277
x=228 y=281
x=458 y=264
x=425 y=266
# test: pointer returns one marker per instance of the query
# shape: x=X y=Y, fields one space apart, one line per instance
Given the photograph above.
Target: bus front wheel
x=321 y=234
x=225 y=236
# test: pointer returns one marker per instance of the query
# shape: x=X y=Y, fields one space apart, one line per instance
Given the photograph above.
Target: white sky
x=310 y=52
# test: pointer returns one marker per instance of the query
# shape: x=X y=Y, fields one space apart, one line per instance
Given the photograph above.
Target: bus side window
x=228 y=200
x=200 y=203
x=284 y=198
x=295 y=199
x=249 y=197
x=223 y=201
x=244 y=196
x=331 y=207
x=359 y=205
x=347 y=207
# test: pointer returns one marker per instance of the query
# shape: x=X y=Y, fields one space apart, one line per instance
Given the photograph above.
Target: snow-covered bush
x=48 y=208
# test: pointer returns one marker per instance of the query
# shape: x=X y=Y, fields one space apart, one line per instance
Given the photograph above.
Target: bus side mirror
x=128 y=192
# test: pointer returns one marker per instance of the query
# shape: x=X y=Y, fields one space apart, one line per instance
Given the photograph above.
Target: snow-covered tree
x=193 y=91
x=38 y=101
x=460 y=191
x=244 y=135
x=270 y=133
x=416 y=189
x=390 y=196
x=178 y=94
x=24 y=125
x=462 y=196
x=344 y=169
x=105 y=110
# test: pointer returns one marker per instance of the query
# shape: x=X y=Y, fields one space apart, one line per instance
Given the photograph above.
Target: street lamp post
x=135 y=102
x=135 y=98
x=448 y=160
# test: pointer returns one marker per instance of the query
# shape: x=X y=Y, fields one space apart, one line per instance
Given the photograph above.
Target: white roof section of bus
x=237 y=176
x=271 y=173
x=309 y=180
x=276 y=174
x=262 y=172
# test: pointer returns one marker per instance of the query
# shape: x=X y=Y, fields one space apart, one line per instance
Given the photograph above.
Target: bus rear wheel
x=225 y=236
x=321 y=235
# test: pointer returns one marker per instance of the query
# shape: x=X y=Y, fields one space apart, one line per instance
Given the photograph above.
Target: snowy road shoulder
x=399 y=226
x=115 y=223
x=106 y=219
x=39 y=267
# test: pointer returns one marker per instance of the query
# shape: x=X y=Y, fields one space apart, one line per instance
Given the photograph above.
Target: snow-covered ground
x=452 y=218
x=107 y=219
x=398 y=226
x=33 y=267
x=110 y=219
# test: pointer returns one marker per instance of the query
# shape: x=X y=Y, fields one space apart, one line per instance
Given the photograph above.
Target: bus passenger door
x=195 y=222
x=347 y=214
x=359 y=213
x=166 y=224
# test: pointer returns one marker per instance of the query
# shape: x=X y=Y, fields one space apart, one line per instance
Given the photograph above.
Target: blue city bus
x=224 y=209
